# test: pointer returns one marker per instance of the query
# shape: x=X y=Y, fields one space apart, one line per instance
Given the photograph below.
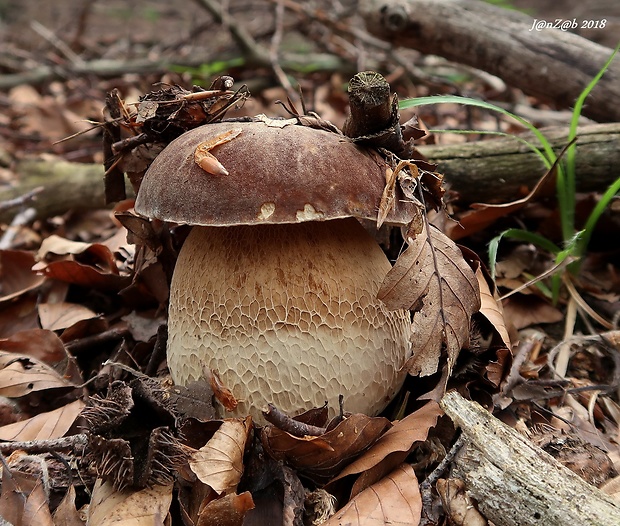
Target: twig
x=276 y=40
x=249 y=47
x=83 y=344
x=56 y=42
x=21 y=219
x=286 y=423
x=73 y=442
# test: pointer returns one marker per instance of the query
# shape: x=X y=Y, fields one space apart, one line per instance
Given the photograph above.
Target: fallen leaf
x=44 y=426
x=66 y=513
x=219 y=463
x=23 y=500
x=491 y=308
x=394 y=500
x=41 y=344
x=147 y=507
x=206 y=160
x=101 y=255
x=524 y=310
x=226 y=511
x=432 y=279
x=400 y=438
x=21 y=375
x=321 y=457
x=458 y=504
x=16 y=276
x=78 y=273
x=56 y=316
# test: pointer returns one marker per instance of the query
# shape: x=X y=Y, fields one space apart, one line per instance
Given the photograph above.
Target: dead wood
x=500 y=170
x=550 y=64
x=65 y=186
x=515 y=482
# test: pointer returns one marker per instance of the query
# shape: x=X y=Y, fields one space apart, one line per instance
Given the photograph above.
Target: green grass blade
x=595 y=215
x=520 y=235
x=569 y=185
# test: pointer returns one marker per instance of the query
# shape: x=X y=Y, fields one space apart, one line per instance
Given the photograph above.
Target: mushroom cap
x=288 y=174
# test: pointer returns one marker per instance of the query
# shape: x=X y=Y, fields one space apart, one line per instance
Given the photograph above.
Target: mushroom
x=275 y=288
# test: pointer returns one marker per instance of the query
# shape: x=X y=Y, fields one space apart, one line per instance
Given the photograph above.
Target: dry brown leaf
x=21 y=375
x=219 y=463
x=16 y=276
x=66 y=513
x=524 y=310
x=147 y=507
x=491 y=308
x=59 y=246
x=458 y=504
x=39 y=344
x=23 y=500
x=400 y=438
x=78 y=273
x=394 y=500
x=433 y=279
x=44 y=426
x=322 y=457
x=56 y=316
x=227 y=511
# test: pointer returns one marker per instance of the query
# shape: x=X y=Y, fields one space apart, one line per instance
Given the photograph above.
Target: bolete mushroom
x=275 y=287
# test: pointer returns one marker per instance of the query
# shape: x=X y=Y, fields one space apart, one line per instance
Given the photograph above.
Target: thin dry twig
x=286 y=423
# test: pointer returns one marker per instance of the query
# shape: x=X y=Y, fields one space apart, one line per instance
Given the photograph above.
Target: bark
x=550 y=64
x=500 y=170
x=515 y=482
x=66 y=186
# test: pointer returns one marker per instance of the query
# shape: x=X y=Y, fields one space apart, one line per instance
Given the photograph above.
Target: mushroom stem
x=287 y=314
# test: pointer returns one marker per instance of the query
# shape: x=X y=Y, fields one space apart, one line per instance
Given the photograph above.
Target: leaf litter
x=366 y=467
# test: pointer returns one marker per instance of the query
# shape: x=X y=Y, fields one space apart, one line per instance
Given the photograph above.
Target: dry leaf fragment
x=227 y=511
x=433 y=279
x=66 y=512
x=491 y=308
x=56 y=316
x=21 y=375
x=394 y=500
x=397 y=441
x=147 y=507
x=321 y=457
x=44 y=426
x=219 y=463
x=16 y=278
x=206 y=160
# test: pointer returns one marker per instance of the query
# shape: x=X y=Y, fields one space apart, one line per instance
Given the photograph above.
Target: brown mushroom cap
x=276 y=175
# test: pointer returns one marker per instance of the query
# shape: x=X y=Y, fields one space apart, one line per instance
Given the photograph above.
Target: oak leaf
x=432 y=279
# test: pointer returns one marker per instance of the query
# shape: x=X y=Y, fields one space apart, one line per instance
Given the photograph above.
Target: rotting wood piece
x=550 y=64
x=516 y=483
x=499 y=170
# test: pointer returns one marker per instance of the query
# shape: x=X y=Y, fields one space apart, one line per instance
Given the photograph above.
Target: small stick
x=286 y=423
x=73 y=442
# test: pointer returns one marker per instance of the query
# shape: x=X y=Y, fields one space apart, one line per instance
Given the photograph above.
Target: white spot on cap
x=309 y=214
x=266 y=211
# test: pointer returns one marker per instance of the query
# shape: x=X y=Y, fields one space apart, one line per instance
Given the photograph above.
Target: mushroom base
x=287 y=314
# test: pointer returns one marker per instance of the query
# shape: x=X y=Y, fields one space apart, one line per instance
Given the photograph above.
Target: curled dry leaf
x=491 y=308
x=16 y=276
x=21 y=375
x=219 y=463
x=39 y=344
x=433 y=279
x=44 y=426
x=206 y=160
x=322 y=457
x=394 y=500
x=230 y=510
x=66 y=512
x=147 y=507
x=56 y=316
x=400 y=438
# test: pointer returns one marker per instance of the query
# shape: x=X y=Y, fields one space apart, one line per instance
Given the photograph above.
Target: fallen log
x=516 y=483
x=551 y=64
x=500 y=170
